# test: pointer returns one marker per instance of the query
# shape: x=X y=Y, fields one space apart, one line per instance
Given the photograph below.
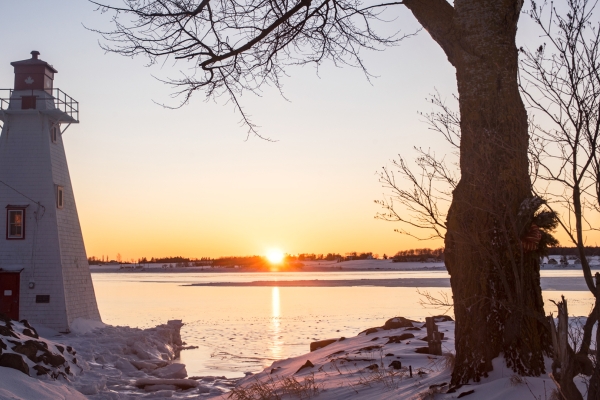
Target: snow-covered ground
x=106 y=362
x=383 y=363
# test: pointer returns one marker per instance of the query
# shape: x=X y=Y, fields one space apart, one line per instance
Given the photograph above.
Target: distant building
x=44 y=271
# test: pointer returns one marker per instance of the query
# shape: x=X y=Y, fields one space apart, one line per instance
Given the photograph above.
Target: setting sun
x=275 y=256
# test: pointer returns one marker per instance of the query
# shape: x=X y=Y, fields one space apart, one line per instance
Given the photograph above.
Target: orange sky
x=156 y=182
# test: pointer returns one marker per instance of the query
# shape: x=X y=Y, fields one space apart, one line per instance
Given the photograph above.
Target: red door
x=9 y=294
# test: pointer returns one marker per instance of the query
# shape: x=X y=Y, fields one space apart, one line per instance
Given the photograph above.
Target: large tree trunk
x=496 y=286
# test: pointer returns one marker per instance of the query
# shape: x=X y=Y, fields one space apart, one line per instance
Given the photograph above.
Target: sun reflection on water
x=276 y=346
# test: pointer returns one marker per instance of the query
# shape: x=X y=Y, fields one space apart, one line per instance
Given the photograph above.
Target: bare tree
x=239 y=45
x=561 y=84
x=420 y=200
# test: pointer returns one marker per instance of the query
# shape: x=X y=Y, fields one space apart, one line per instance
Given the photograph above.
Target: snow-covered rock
x=22 y=349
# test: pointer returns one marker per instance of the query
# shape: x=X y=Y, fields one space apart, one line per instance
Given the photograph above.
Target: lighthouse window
x=54 y=134
x=59 y=196
x=15 y=224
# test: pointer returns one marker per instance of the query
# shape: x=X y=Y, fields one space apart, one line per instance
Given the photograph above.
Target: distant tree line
x=419 y=255
x=573 y=251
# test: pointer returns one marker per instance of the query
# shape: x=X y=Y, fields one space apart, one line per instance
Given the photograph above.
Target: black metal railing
x=62 y=101
x=66 y=104
x=5 y=101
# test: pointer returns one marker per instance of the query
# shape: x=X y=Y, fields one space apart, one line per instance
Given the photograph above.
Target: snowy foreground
x=103 y=362
x=377 y=364
x=98 y=362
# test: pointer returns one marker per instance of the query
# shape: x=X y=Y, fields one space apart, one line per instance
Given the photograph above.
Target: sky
x=152 y=182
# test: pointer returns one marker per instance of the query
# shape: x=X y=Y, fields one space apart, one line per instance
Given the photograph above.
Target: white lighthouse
x=44 y=272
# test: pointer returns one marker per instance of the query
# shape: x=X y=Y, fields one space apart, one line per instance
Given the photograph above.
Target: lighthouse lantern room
x=44 y=273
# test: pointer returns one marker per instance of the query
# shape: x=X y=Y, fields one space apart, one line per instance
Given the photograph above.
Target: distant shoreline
x=401 y=282
x=548 y=283
x=244 y=270
x=308 y=267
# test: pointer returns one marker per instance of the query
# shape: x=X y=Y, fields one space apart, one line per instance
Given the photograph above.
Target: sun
x=275 y=256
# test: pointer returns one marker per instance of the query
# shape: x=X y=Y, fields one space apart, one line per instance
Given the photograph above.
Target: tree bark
x=496 y=285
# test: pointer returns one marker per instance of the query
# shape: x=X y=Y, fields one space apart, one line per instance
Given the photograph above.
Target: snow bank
x=385 y=363
x=15 y=385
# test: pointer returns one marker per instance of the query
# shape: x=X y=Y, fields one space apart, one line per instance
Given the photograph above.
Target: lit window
x=15 y=223
x=60 y=198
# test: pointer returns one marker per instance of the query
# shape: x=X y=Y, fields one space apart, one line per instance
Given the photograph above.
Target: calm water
x=241 y=329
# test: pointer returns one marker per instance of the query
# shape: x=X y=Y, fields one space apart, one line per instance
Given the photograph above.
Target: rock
x=307 y=364
x=370 y=330
x=55 y=360
x=395 y=364
x=28 y=349
x=61 y=349
x=463 y=394
x=321 y=343
x=392 y=323
x=6 y=331
x=400 y=338
x=173 y=371
x=14 y=361
x=180 y=383
x=30 y=333
x=398 y=322
x=41 y=370
x=442 y=318
x=373 y=367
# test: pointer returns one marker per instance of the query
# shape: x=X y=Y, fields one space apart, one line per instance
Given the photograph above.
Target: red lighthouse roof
x=33 y=74
x=33 y=61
